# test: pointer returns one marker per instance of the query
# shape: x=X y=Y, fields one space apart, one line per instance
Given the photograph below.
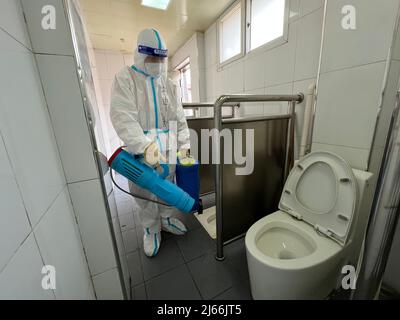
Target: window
x=230 y=34
x=186 y=81
x=266 y=21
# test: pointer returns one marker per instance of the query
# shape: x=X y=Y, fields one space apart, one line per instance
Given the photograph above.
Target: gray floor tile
x=127 y=221
x=188 y=220
x=235 y=257
x=139 y=292
x=167 y=258
x=195 y=244
x=235 y=293
x=135 y=268
x=211 y=277
x=176 y=284
x=130 y=240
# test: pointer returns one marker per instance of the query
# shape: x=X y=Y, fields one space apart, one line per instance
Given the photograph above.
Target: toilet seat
x=321 y=191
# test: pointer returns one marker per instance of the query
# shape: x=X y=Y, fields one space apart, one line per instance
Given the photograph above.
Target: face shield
x=155 y=61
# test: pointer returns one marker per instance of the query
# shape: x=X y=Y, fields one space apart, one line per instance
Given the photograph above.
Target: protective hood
x=151 y=43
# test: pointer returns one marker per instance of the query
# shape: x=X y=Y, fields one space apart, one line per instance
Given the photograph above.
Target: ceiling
x=114 y=24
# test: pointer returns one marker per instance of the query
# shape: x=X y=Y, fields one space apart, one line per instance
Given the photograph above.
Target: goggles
x=153 y=52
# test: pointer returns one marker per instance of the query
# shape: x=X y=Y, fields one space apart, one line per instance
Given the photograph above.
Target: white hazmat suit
x=146 y=108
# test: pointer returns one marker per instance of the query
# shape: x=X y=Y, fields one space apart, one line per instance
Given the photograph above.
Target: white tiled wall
x=59 y=241
x=195 y=51
x=352 y=76
x=63 y=96
x=106 y=65
x=286 y=69
x=90 y=211
x=37 y=223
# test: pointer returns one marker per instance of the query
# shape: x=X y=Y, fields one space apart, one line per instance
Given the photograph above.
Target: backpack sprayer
x=184 y=195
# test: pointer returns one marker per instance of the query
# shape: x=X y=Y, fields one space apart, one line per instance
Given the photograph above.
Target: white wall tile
x=254 y=72
x=279 y=61
x=356 y=158
x=307 y=6
x=272 y=108
x=235 y=79
x=128 y=59
x=347 y=106
x=108 y=285
x=210 y=38
x=56 y=41
x=115 y=62
x=59 y=241
x=220 y=83
x=101 y=64
x=370 y=41
x=22 y=278
x=12 y=21
x=309 y=37
x=26 y=128
x=66 y=108
x=211 y=76
x=14 y=224
x=252 y=108
x=90 y=210
x=106 y=85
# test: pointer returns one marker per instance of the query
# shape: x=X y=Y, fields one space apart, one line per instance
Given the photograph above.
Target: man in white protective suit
x=147 y=114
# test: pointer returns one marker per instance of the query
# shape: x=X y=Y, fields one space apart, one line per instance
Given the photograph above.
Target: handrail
x=195 y=106
x=221 y=101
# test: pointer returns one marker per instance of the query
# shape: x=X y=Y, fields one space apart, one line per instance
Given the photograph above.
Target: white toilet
x=299 y=251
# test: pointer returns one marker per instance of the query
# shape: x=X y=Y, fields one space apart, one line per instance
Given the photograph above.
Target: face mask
x=153 y=68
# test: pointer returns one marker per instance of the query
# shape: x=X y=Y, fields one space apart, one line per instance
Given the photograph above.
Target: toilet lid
x=321 y=190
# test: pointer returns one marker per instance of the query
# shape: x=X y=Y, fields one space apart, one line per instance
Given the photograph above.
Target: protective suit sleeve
x=183 y=130
x=124 y=117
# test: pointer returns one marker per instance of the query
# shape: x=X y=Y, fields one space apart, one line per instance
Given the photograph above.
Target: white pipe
x=305 y=144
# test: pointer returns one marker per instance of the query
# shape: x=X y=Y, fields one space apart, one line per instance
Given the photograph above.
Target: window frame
x=185 y=63
x=273 y=43
x=228 y=12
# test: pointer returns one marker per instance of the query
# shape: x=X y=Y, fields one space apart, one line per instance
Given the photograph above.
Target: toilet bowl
x=298 y=252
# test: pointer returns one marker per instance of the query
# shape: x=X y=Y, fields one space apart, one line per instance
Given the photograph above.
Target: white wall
x=37 y=222
x=352 y=77
x=80 y=144
x=286 y=69
x=194 y=50
x=106 y=65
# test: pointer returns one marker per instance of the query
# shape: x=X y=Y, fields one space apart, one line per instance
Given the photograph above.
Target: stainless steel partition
x=247 y=198
x=241 y=200
x=226 y=179
x=197 y=123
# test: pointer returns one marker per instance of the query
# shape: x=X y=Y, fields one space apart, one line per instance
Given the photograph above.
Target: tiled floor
x=185 y=267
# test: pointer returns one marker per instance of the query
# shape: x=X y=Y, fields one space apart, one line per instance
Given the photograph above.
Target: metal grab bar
x=384 y=216
x=195 y=106
x=221 y=101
